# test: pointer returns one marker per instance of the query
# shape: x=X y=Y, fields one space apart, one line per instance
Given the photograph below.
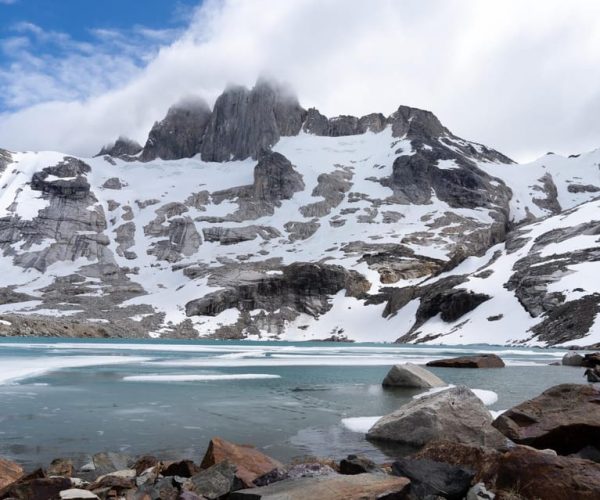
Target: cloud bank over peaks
x=523 y=81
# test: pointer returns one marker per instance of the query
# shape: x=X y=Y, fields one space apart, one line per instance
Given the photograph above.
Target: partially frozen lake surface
x=78 y=397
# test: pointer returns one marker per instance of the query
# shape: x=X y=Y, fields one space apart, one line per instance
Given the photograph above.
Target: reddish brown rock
x=528 y=473
x=565 y=418
x=477 y=361
x=250 y=462
x=9 y=472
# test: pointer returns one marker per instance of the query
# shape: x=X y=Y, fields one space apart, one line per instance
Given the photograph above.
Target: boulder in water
x=572 y=359
x=410 y=375
x=456 y=414
x=476 y=361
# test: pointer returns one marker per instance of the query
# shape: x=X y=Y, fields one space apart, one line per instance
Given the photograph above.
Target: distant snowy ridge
x=260 y=219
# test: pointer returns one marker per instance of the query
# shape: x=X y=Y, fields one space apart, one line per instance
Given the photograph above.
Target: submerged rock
x=409 y=375
x=455 y=414
x=477 y=361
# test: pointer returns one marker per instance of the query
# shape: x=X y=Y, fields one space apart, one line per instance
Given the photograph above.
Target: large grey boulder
x=572 y=359
x=455 y=414
x=410 y=375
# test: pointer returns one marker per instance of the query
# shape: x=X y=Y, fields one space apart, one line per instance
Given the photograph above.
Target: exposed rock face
x=303 y=286
x=565 y=418
x=336 y=487
x=250 y=462
x=234 y=235
x=180 y=133
x=275 y=180
x=409 y=375
x=123 y=148
x=245 y=123
x=455 y=414
x=5 y=159
x=550 y=201
x=478 y=361
x=70 y=183
x=583 y=188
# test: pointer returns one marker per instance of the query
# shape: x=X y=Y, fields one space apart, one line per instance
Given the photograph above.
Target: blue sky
x=39 y=39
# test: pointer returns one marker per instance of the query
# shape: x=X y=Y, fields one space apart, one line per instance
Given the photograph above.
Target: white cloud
x=523 y=79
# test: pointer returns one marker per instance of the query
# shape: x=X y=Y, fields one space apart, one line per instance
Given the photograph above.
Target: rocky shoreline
x=445 y=444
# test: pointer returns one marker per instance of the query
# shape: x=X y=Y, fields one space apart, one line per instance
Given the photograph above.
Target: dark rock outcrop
x=180 y=134
x=430 y=478
x=275 y=180
x=565 y=418
x=476 y=361
x=70 y=179
x=305 y=287
x=357 y=464
x=123 y=148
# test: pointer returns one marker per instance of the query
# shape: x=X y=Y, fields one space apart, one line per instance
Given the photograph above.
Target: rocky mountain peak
x=123 y=148
x=180 y=133
x=245 y=122
x=416 y=123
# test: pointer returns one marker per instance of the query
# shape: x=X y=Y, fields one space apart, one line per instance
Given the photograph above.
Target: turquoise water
x=74 y=397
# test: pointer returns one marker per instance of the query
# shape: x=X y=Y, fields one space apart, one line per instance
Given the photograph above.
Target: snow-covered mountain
x=260 y=219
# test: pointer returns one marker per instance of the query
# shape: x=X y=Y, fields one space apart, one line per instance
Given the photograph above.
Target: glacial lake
x=73 y=398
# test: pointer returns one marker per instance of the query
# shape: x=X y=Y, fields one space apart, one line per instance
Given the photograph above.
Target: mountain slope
x=312 y=227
